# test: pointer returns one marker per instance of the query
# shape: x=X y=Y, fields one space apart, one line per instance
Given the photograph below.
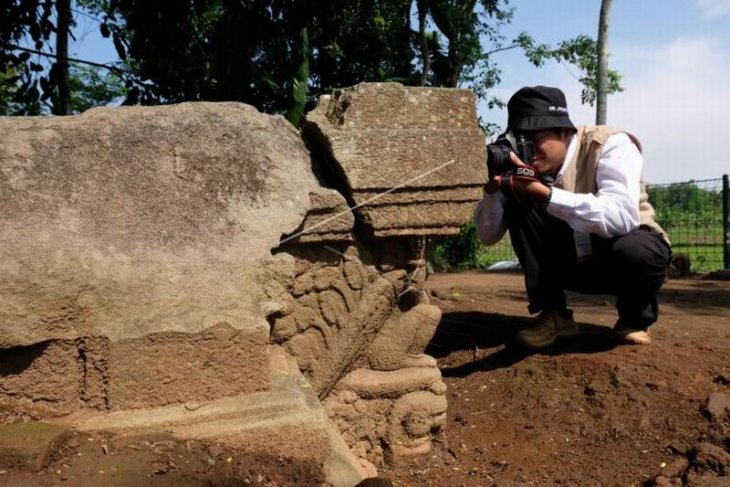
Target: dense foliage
x=277 y=55
x=686 y=204
x=222 y=50
x=692 y=215
x=457 y=252
x=23 y=86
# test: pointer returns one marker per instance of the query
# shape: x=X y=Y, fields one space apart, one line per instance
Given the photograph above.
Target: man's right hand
x=520 y=184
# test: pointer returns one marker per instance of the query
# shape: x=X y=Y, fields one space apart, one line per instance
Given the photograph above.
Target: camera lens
x=498 y=158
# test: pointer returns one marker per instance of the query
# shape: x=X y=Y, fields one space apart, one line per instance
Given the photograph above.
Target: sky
x=673 y=55
x=674 y=58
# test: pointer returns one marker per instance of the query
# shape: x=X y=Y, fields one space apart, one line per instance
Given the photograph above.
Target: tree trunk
x=602 y=53
x=62 y=100
x=425 y=54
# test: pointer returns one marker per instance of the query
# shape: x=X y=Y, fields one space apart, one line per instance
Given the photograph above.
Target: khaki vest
x=580 y=175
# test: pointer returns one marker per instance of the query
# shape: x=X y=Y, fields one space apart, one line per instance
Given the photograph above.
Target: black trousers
x=631 y=267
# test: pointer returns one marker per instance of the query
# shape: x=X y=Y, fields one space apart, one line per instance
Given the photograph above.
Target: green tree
x=38 y=76
x=92 y=87
x=7 y=89
x=224 y=50
x=35 y=24
x=278 y=55
x=580 y=52
x=29 y=21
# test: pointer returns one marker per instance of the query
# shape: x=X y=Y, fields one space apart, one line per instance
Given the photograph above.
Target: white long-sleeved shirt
x=612 y=211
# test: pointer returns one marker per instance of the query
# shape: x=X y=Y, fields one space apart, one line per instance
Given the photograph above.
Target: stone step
x=285 y=421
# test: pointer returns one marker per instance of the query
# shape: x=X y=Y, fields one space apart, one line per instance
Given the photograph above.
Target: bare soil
x=586 y=412
x=151 y=460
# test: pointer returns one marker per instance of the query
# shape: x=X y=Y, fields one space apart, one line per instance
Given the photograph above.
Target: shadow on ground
x=496 y=332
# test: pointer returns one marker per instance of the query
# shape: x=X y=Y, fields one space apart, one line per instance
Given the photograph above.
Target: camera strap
x=507 y=181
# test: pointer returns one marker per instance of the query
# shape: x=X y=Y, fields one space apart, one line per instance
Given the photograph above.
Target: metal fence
x=694 y=214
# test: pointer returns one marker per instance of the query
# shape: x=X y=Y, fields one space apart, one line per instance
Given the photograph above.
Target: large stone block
x=144 y=228
x=411 y=159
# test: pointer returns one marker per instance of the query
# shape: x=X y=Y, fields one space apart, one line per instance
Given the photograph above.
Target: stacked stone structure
x=179 y=267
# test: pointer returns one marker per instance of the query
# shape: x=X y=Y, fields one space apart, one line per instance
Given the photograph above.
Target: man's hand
x=521 y=184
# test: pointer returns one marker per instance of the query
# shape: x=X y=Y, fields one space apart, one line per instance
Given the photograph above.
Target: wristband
x=545 y=202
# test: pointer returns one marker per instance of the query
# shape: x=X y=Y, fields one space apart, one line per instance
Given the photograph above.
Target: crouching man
x=577 y=215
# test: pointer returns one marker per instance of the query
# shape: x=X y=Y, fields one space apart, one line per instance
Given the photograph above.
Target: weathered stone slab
x=394 y=107
x=329 y=219
x=123 y=222
x=424 y=142
x=136 y=244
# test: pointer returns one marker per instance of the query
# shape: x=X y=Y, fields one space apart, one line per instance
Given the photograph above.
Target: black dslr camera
x=498 y=161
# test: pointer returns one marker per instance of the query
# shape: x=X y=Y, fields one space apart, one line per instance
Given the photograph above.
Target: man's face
x=551 y=146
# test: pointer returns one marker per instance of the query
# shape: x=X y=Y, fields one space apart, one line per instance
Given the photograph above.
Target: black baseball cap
x=538 y=108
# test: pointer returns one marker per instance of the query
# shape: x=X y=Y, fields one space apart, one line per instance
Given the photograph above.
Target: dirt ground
x=586 y=412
